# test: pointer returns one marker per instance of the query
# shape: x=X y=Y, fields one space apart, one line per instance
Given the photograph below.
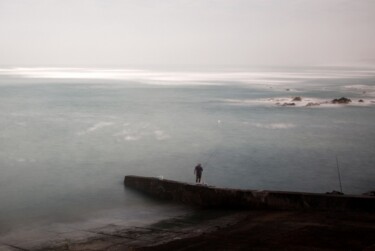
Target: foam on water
x=365 y=90
x=305 y=102
x=96 y=127
x=273 y=125
x=139 y=131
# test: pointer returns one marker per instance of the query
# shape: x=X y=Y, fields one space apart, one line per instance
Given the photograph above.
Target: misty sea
x=68 y=136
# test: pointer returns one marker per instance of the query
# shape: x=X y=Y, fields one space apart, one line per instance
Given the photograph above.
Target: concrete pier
x=213 y=197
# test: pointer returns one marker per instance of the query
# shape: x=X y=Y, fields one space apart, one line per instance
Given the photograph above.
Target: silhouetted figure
x=198 y=170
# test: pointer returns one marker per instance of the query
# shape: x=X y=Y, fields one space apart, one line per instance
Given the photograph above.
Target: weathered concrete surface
x=205 y=196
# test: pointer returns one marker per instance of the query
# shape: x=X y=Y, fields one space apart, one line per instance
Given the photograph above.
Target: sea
x=68 y=136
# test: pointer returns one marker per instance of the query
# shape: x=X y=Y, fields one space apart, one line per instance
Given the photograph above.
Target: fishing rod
x=338 y=172
x=214 y=152
x=209 y=158
x=205 y=164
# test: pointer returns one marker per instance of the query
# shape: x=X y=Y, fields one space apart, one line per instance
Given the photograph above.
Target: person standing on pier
x=198 y=170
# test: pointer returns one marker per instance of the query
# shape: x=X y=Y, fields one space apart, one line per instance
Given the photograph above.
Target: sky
x=186 y=32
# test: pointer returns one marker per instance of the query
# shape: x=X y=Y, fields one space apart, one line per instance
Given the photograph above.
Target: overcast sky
x=186 y=32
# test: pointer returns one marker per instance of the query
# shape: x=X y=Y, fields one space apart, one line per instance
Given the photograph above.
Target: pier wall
x=213 y=197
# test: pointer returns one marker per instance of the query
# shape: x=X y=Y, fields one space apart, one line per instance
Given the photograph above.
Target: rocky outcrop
x=370 y=193
x=342 y=100
x=297 y=99
x=335 y=192
x=289 y=104
x=213 y=197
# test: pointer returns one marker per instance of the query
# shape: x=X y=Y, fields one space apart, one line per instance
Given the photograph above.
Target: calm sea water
x=68 y=136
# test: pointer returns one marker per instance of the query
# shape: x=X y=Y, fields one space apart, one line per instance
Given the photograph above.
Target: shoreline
x=238 y=230
x=285 y=230
x=112 y=237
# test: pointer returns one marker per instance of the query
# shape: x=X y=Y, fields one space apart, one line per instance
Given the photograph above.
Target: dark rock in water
x=361 y=101
x=370 y=193
x=342 y=100
x=312 y=104
x=287 y=89
x=297 y=99
x=334 y=192
x=289 y=104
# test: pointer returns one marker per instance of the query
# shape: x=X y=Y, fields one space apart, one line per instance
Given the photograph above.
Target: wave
x=291 y=102
x=273 y=125
x=161 y=135
x=140 y=131
x=95 y=127
x=365 y=90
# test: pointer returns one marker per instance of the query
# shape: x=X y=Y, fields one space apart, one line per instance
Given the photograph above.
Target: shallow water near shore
x=68 y=137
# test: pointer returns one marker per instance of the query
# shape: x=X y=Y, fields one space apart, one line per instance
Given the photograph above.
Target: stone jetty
x=213 y=197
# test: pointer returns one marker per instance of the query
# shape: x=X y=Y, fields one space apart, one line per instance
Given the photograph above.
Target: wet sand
x=238 y=230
